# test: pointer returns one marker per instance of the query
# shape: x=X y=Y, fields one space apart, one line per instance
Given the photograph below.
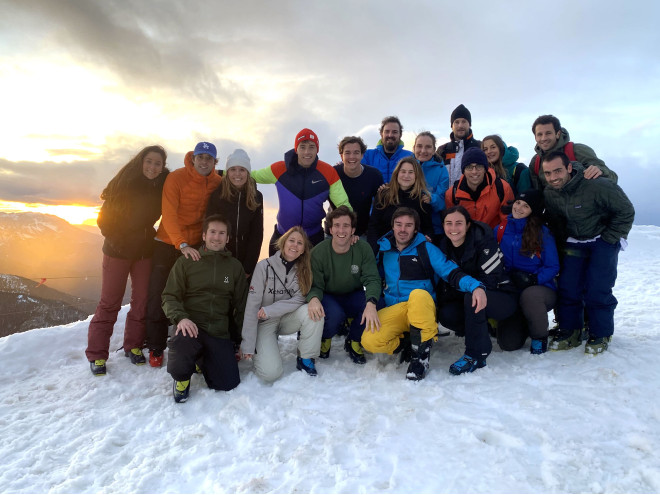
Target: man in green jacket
x=341 y=270
x=596 y=216
x=205 y=299
x=551 y=136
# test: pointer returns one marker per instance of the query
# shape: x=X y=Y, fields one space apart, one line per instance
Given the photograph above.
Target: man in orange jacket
x=185 y=194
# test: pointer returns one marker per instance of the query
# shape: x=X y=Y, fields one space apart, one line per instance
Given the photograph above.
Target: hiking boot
x=466 y=365
x=403 y=349
x=98 y=367
x=136 y=356
x=355 y=351
x=155 y=358
x=538 y=346
x=419 y=361
x=344 y=328
x=585 y=332
x=326 y=344
x=597 y=345
x=306 y=365
x=564 y=340
x=181 y=390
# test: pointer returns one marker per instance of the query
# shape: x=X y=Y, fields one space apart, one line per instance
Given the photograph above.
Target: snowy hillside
x=560 y=422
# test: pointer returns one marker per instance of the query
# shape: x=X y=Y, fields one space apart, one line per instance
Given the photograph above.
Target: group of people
x=460 y=234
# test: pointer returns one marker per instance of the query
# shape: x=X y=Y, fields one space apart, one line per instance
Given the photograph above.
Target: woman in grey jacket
x=276 y=306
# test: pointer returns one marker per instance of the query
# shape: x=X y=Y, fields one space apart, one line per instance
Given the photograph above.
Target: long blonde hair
x=304 y=261
x=389 y=195
x=229 y=192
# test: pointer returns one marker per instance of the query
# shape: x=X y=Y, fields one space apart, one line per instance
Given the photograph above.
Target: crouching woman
x=276 y=306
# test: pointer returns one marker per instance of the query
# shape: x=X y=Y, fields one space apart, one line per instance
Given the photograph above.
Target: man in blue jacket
x=410 y=267
x=389 y=149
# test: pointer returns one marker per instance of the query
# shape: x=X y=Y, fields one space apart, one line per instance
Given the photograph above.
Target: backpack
x=568 y=149
x=517 y=172
x=498 y=186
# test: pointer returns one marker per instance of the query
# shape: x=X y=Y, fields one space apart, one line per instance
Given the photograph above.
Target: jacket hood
x=510 y=156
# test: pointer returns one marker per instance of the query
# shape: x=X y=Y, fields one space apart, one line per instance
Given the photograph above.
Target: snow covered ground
x=560 y=422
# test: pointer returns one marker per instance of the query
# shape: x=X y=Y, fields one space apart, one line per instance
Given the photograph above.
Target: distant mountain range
x=39 y=246
x=25 y=305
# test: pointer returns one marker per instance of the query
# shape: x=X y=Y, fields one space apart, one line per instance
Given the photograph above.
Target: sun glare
x=74 y=214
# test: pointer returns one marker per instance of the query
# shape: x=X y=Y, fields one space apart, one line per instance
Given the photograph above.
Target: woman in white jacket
x=276 y=306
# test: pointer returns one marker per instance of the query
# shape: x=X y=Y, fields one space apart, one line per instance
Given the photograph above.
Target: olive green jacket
x=586 y=208
x=211 y=292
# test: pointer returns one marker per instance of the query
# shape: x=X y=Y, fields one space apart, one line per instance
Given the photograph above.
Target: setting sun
x=74 y=214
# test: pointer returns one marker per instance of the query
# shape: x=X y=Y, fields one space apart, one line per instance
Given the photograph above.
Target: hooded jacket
x=185 y=195
x=127 y=220
x=404 y=271
x=247 y=226
x=376 y=157
x=510 y=163
x=545 y=265
x=302 y=191
x=273 y=289
x=588 y=208
x=583 y=154
x=437 y=181
x=488 y=207
x=211 y=292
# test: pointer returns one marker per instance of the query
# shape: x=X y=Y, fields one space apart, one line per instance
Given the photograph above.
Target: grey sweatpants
x=267 y=360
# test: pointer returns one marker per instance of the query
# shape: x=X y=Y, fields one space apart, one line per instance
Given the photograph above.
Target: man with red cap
x=303 y=184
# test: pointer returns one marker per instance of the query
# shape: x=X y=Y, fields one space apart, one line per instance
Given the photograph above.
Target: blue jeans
x=338 y=307
x=586 y=279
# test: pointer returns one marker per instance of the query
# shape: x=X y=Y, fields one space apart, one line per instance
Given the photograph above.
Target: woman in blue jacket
x=435 y=174
x=530 y=257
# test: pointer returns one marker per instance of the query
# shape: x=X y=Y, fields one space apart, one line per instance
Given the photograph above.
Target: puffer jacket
x=127 y=220
x=447 y=153
x=488 y=206
x=437 y=181
x=584 y=209
x=377 y=158
x=273 y=289
x=211 y=292
x=545 y=264
x=185 y=195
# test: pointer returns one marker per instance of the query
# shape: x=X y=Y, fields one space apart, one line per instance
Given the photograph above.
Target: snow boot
x=326 y=344
x=344 y=328
x=538 y=346
x=306 y=365
x=466 y=365
x=420 y=352
x=155 y=358
x=136 y=356
x=181 y=390
x=355 y=351
x=403 y=350
x=98 y=367
x=597 y=345
x=566 y=339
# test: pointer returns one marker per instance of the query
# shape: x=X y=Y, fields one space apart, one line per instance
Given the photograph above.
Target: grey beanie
x=238 y=158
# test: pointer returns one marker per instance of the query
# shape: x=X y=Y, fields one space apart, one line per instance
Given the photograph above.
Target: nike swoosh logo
x=317 y=181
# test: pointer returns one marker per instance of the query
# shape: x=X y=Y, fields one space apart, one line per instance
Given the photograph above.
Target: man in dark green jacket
x=205 y=299
x=341 y=271
x=551 y=136
x=596 y=216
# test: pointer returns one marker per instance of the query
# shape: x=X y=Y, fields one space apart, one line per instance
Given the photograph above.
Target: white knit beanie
x=238 y=158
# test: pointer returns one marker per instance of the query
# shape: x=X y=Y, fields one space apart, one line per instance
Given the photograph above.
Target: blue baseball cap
x=205 y=148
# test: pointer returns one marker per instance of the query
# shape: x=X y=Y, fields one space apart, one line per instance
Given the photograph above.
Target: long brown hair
x=131 y=171
x=497 y=166
x=304 y=261
x=389 y=195
x=532 y=236
x=229 y=192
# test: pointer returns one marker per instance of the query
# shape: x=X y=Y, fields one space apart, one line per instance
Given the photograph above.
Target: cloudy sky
x=84 y=85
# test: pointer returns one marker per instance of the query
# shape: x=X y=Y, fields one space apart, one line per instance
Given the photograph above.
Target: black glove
x=522 y=280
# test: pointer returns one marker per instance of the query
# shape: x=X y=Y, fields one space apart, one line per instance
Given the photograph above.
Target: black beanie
x=460 y=112
x=534 y=199
x=473 y=155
